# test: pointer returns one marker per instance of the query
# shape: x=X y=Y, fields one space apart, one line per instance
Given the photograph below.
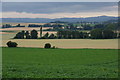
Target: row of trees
x=26 y=35
x=33 y=35
x=10 y=26
x=93 y=34
x=68 y=34
x=72 y=35
x=103 y=34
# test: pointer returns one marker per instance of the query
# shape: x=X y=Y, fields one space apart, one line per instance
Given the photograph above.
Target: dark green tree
x=20 y=35
x=46 y=36
x=81 y=35
x=34 y=34
x=100 y=26
x=96 y=34
x=59 y=34
x=108 y=34
x=47 y=45
x=27 y=35
x=85 y=35
x=11 y=44
x=18 y=25
x=41 y=32
x=52 y=36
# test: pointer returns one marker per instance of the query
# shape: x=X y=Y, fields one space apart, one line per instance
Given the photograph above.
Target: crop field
x=7 y=35
x=64 y=43
x=25 y=24
x=59 y=63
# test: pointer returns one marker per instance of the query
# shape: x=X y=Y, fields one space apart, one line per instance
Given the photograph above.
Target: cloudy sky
x=58 y=9
x=60 y=0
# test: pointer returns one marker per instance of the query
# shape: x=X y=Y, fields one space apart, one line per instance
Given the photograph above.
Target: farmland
x=9 y=33
x=59 y=63
x=73 y=58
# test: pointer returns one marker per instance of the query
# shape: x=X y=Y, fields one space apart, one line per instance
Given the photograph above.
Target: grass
x=59 y=63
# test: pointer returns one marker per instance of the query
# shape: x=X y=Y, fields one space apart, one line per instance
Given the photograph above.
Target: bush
x=11 y=44
x=53 y=47
x=47 y=45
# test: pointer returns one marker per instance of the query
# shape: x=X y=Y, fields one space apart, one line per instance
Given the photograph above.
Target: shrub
x=47 y=45
x=11 y=44
x=53 y=47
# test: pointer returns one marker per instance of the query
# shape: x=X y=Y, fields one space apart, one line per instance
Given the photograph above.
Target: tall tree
x=41 y=32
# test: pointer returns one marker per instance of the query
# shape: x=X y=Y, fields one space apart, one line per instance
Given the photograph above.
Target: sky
x=58 y=9
x=59 y=0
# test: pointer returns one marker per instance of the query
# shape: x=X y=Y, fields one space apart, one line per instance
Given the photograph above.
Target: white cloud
x=56 y=15
x=110 y=8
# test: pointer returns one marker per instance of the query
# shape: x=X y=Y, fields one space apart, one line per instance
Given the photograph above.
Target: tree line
x=69 y=34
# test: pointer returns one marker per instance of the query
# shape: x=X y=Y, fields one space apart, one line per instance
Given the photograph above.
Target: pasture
x=59 y=63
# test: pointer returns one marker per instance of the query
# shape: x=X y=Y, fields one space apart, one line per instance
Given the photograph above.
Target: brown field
x=26 y=24
x=67 y=43
x=23 y=28
x=60 y=43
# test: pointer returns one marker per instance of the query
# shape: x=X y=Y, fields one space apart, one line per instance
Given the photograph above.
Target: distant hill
x=47 y=20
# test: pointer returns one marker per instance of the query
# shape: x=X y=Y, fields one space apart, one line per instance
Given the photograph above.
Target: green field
x=59 y=63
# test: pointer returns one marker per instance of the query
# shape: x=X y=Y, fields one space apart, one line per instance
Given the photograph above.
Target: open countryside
x=47 y=40
x=74 y=58
x=9 y=33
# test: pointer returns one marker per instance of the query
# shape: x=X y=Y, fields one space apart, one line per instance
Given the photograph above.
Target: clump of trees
x=33 y=35
x=102 y=34
x=96 y=34
x=26 y=35
x=6 y=26
x=11 y=44
x=72 y=35
x=34 y=25
x=20 y=35
x=18 y=25
x=10 y=26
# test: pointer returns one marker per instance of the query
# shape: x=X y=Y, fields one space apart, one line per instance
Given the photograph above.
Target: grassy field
x=59 y=63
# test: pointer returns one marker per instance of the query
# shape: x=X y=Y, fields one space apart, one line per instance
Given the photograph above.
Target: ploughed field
x=59 y=63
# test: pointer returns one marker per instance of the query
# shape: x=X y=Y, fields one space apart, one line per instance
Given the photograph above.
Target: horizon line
x=74 y=17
